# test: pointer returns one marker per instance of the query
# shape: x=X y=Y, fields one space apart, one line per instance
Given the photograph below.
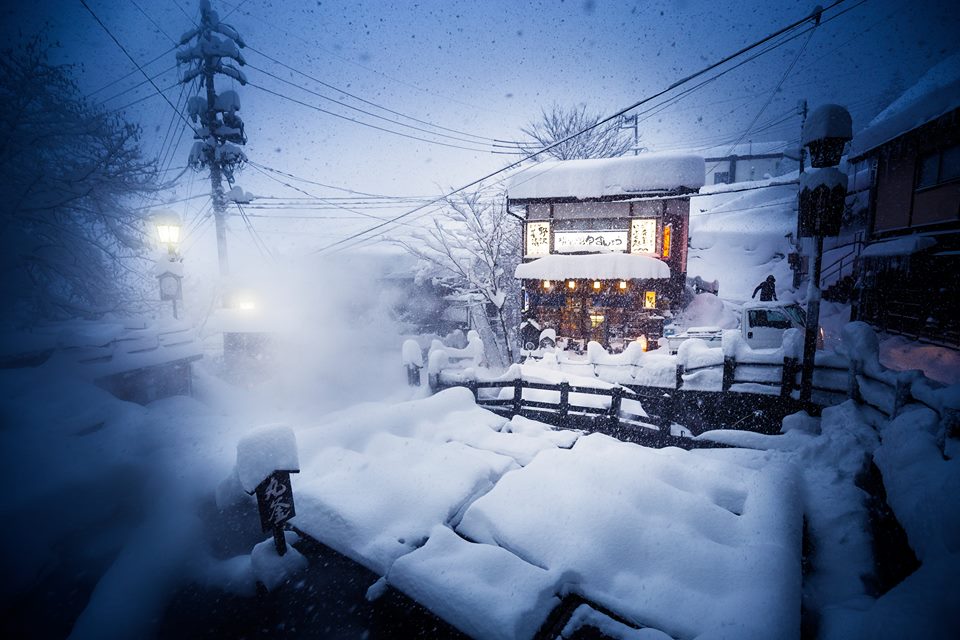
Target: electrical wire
x=814 y=16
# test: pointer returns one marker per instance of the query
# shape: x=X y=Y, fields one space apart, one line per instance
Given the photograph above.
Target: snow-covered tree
x=474 y=247
x=557 y=123
x=70 y=238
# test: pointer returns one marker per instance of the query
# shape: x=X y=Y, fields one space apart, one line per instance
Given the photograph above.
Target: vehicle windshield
x=796 y=314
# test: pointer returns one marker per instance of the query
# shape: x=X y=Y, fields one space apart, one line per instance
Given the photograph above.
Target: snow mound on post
x=411 y=353
x=827 y=121
x=608 y=177
x=263 y=451
x=272 y=569
x=602 y=266
x=829 y=177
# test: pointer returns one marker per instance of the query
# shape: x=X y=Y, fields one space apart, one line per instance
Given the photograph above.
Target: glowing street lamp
x=170 y=271
x=168 y=231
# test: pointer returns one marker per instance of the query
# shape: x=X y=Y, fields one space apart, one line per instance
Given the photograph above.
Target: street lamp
x=823 y=192
x=169 y=271
x=168 y=231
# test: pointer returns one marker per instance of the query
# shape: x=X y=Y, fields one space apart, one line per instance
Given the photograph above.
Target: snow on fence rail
x=854 y=372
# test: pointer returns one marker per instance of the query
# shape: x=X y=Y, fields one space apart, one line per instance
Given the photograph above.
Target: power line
x=815 y=16
x=135 y=63
x=127 y=75
x=484 y=139
x=366 y=124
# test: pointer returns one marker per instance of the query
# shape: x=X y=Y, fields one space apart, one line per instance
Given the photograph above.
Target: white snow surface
x=602 y=266
x=608 y=177
x=688 y=546
x=272 y=569
x=263 y=451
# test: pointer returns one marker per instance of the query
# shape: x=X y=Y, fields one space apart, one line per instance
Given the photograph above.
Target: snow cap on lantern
x=825 y=133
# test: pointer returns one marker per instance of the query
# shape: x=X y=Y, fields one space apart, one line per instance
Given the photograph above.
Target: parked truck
x=761 y=326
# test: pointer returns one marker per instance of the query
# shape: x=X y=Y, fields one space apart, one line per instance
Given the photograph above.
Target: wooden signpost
x=275 y=500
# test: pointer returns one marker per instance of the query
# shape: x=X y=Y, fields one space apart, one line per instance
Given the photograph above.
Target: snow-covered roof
x=936 y=93
x=608 y=177
x=898 y=247
x=602 y=266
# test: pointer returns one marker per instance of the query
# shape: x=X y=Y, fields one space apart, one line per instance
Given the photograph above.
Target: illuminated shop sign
x=643 y=235
x=667 y=233
x=570 y=241
x=538 y=238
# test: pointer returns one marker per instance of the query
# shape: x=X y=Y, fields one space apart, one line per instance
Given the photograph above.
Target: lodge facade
x=907 y=277
x=605 y=244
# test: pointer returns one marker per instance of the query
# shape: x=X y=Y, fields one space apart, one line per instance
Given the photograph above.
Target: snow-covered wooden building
x=908 y=275
x=605 y=243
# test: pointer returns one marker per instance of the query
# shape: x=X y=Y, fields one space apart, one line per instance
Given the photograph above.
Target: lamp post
x=823 y=191
x=169 y=271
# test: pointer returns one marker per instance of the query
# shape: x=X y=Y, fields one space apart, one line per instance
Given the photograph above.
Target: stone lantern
x=825 y=133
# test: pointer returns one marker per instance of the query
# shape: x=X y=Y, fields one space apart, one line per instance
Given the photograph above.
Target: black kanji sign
x=275 y=499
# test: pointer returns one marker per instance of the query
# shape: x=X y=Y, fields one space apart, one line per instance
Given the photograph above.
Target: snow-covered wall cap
x=831 y=177
x=263 y=451
x=827 y=121
x=601 y=266
x=647 y=172
x=936 y=93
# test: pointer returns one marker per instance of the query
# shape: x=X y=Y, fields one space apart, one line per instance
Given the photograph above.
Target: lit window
x=596 y=284
x=649 y=299
x=546 y=284
x=623 y=285
x=667 y=232
x=571 y=284
x=596 y=319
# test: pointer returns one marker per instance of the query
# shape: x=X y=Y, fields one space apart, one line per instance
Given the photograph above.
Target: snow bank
x=685 y=545
x=601 y=266
x=263 y=451
x=608 y=176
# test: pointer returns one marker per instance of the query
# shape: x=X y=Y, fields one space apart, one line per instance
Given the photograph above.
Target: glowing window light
x=623 y=285
x=547 y=284
x=667 y=233
x=596 y=319
x=596 y=284
x=649 y=299
x=571 y=284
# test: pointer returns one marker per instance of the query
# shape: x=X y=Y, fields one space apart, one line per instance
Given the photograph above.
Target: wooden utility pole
x=208 y=50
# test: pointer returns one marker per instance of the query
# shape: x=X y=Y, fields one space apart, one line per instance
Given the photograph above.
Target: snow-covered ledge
x=600 y=266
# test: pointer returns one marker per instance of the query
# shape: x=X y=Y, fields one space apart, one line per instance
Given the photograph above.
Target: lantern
x=825 y=133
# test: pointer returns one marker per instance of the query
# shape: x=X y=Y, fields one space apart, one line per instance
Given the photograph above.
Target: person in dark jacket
x=767 y=289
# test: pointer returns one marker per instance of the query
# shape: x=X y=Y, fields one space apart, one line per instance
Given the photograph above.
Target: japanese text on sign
x=568 y=241
x=643 y=235
x=538 y=238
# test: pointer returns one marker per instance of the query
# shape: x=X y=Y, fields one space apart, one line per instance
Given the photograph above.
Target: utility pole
x=636 y=130
x=208 y=50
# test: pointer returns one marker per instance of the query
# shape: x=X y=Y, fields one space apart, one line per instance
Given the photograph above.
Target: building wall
x=900 y=205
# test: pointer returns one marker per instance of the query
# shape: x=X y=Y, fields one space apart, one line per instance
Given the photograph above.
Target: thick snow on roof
x=602 y=266
x=899 y=247
x=936 y=93
x=608 y=177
